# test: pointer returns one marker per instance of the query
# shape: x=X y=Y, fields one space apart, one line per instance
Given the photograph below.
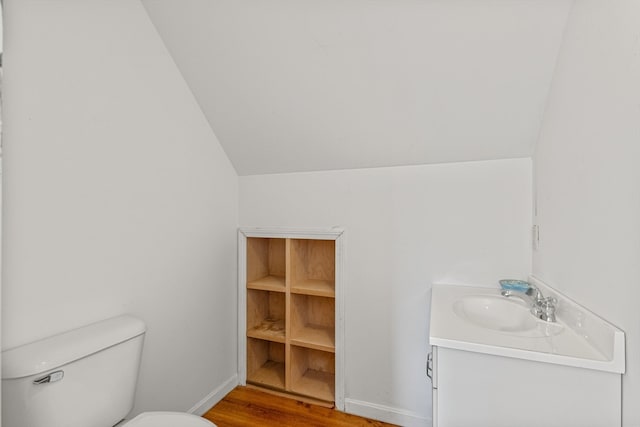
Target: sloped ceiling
x=303 y=85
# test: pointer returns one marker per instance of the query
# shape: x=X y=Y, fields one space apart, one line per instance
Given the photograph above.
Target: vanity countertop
x=579 y=338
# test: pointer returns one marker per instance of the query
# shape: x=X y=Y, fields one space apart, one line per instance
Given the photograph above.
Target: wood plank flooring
x=250 y=407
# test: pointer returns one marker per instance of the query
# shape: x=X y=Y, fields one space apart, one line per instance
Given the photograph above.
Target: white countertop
x=590 y=343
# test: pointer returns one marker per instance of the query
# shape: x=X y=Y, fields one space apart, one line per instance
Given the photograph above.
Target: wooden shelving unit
x=290 y=295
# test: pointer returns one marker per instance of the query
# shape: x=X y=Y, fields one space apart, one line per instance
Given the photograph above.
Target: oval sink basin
x=501 y=314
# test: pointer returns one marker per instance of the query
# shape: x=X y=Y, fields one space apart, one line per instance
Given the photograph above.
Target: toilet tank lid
x=51 y=353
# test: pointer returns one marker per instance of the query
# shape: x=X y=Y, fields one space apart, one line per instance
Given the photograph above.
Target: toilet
x=82 y=378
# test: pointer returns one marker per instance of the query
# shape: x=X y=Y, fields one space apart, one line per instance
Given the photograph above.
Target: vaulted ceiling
x=302 y=85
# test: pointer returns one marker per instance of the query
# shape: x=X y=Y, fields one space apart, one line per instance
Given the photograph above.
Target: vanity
x=494 y=364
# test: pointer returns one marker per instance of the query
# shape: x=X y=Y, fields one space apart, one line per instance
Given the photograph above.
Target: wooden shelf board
x=271 y=374
x=315 y=337
x=291 y=395
x=268 y=329
x=321 y=288
x=317 y=384
x=268 y=283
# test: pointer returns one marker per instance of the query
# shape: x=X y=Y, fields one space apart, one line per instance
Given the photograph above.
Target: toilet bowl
x=167 y=419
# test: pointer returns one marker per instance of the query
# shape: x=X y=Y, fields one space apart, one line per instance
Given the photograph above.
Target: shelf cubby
x=313 y=373
x=266 y=315
x=265 y=363
x=313 y=267
x=313 y=322
x=266 y=264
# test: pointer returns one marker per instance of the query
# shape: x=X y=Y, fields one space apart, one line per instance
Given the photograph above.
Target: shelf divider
x=287 y=347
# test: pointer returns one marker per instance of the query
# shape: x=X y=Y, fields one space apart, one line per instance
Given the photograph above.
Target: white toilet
x=81 y=378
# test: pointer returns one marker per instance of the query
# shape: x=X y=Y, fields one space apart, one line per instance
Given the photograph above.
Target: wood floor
x=249 y=407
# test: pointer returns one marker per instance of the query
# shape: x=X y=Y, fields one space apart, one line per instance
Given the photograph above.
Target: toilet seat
x=167 y=419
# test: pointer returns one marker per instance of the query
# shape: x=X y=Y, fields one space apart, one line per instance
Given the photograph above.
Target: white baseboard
x=374 y=411
x=215 y=396
x=386 y=414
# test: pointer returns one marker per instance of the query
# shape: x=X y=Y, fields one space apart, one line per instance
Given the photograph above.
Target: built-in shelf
x=268 y=283
x=321 y=288
x=291 y=298
x=313 y=267
x=316 y=337
x=313 y=373
x=318 y=384
x=266 y=315
x=265 y=363
x=266 y=262
x=271 y=375
x=268 y=329
x=313 y=322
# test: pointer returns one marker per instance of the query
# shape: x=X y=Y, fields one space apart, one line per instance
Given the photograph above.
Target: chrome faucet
x=541 y=307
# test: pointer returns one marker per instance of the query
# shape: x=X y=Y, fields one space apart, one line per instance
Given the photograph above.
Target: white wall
x=118 y=196
x=587 y=174
x=406 y=228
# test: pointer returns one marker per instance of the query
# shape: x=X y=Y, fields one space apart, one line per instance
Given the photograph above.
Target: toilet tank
x=82 y=378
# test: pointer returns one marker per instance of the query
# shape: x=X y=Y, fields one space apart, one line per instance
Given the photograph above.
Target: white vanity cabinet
x=481 y=390
x=494 y=364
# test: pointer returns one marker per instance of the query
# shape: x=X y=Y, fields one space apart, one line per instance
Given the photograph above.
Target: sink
x=497 y=313
x=501 y=314
x=481 y=320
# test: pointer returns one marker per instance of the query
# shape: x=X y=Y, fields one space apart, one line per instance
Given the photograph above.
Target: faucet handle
x=547 y=309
